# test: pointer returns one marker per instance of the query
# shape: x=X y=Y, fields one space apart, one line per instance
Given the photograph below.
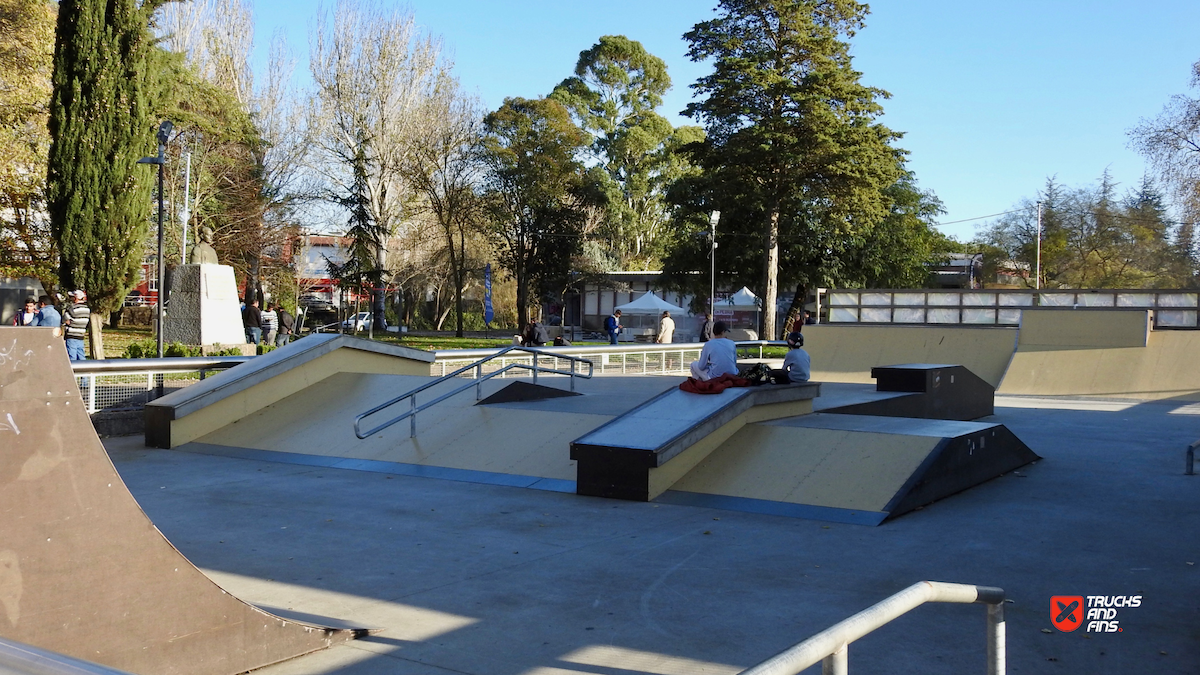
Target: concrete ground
x=491 y=580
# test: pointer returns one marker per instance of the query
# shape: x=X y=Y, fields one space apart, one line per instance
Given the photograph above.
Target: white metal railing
x=830 y=646
x=127 y=384
x=476 y=368
x=1001 y=307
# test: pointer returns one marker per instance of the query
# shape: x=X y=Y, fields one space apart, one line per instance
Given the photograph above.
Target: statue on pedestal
x=203 y=252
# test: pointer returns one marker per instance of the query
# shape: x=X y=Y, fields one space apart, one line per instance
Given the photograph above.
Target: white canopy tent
x=744 y=300
x=650 y=303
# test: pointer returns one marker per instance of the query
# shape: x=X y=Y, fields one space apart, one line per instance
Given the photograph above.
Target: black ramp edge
x=526 y=391
x=960 y=463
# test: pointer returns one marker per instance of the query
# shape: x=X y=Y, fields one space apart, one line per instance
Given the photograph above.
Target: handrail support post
x=479 y=382
x=412 y=418
x=836 y=663
x=535 y=367
x=996 y=639
x=1189 y=470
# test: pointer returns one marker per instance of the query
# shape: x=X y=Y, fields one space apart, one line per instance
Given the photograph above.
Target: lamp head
x=164 y=131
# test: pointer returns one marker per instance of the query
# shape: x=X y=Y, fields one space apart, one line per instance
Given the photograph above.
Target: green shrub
x=263 y=349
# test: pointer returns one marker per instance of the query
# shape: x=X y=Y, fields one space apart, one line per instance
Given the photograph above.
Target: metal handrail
x=183 y=364
x=478 y=380
x=830 y=645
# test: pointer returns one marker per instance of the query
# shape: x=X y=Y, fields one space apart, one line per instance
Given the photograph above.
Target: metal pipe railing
x=831 y=645
x=182 y=364
x=411 y=414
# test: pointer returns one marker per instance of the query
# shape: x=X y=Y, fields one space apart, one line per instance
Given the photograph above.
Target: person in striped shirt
x=75 y=324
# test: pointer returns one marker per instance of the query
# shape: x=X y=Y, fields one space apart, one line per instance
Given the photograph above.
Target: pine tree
x=101 y=123
x=794 y=153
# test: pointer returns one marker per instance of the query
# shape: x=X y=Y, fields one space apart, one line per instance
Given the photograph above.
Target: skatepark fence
x=830 y=646
x=127 y=384
x=1177 y=309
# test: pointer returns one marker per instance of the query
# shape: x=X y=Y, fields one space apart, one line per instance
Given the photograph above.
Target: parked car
x=315 y=303
x=358 y=322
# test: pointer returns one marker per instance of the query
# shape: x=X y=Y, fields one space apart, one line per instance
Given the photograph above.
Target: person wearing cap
x=797 y=362
x=28 y=315
x=48 y=315
x=76 y=318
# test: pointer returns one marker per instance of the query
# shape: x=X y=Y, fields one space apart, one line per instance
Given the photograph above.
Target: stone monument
x=204 y=301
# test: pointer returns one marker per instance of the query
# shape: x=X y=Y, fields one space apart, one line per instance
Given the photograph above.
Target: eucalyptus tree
x=614 y=96
x=536 y=193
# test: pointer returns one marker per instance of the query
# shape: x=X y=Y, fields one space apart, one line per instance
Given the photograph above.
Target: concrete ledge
x=631 y=456
x=222 y=399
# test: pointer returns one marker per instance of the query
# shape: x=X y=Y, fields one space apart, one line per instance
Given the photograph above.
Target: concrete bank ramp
x=848 y=468
x=1102 y=353
x=229 y=396
x=83 y=571
x=521 y=443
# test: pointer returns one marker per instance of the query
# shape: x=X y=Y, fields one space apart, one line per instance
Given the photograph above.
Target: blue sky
x=993 y=98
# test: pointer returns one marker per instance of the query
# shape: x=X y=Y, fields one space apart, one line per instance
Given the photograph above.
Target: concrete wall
x=847 y=352
x=1103 y=353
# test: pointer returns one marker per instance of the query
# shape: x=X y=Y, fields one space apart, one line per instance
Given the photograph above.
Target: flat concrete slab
x=484 y=579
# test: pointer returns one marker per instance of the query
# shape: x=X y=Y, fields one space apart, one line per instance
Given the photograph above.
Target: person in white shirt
x=666 y=327
x=797 y=363
x=719 y=356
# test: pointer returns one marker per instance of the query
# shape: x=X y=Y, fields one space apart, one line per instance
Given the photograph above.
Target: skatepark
x=623 y=529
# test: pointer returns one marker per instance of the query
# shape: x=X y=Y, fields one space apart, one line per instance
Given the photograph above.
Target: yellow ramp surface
x=1164 y=368
x=848 y=352
x=858 y=469
x=832 y=468
x=454 y=434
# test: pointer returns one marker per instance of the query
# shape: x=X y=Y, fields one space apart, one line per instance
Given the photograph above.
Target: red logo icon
x=1066 y=612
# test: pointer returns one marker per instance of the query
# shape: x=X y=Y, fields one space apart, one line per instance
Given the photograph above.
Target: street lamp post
x=712 y=254
x=164 y=134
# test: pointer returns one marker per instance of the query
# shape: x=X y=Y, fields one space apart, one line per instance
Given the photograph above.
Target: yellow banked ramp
x=849 y=468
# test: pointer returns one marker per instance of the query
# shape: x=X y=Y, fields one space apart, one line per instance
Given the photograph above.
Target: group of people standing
x=272 y=327
x=73 y=319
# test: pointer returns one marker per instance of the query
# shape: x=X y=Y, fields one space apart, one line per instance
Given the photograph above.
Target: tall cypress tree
x=101 y=123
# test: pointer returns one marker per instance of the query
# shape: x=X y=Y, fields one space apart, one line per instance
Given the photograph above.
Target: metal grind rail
x=830 y=646
x=476 y=382
x=126 y=384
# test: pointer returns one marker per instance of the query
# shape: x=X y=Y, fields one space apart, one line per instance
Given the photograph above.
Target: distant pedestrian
x=666 y=329
x=47 y=313
x=270 y=324
x=252 y=320
x=287 y=324
x=75 y=319
x=28 y=314
x=612 y=325
x=706 y=328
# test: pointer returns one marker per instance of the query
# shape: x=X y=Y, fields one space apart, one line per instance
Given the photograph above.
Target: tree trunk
x=95 y=336
x=770 y=276
x=522 y=302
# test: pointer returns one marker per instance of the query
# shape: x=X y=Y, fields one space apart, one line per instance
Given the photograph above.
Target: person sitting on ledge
x=719 y=356
x=796 y=365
